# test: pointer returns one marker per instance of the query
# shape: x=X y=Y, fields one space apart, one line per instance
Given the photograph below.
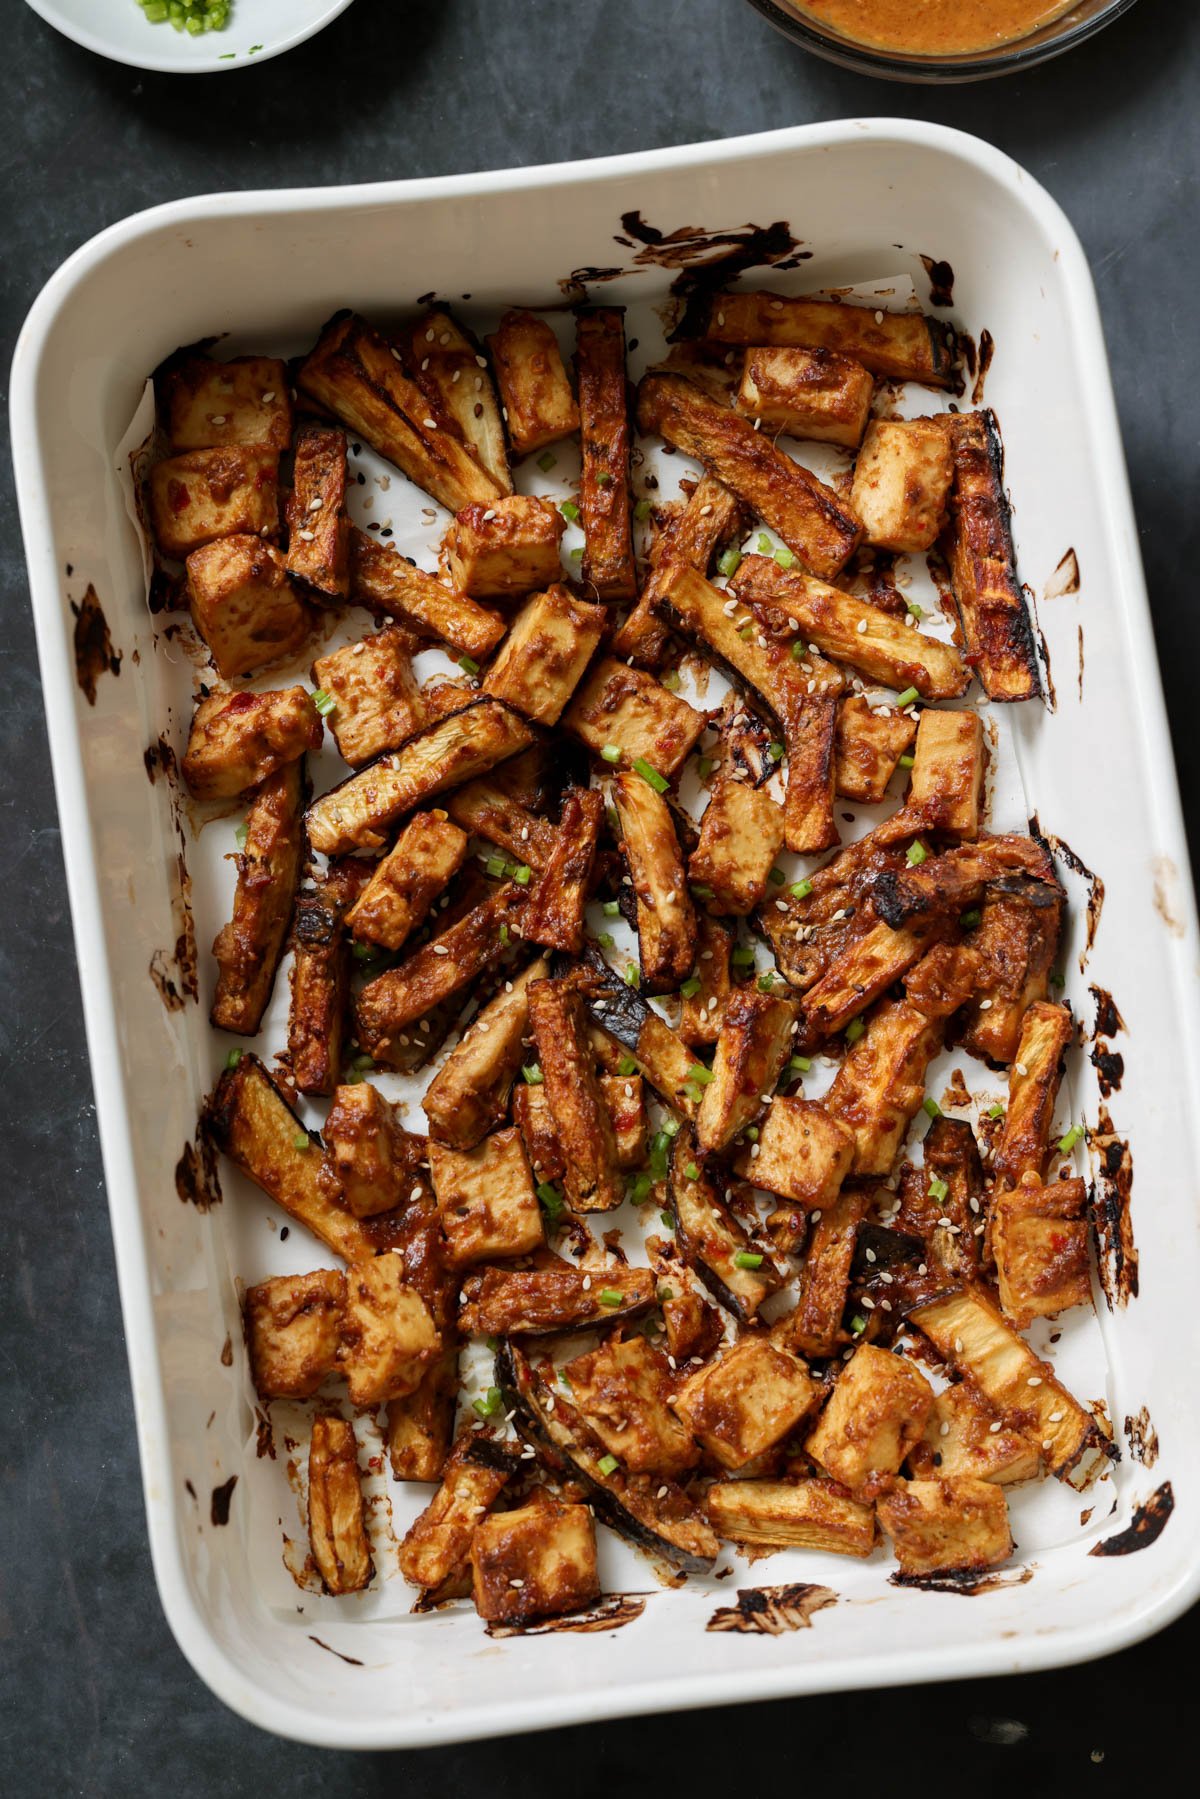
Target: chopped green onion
x=611 y=752
x=801 y=1063
x=775 y=751
x=650 y=775
x=468 y=665
x=766 y=981
x=670 y=1127
x=666 y=1220
x=493 y=1344
x=658 y=1154
x=706 y=766
x=742 y=955
x=363 y=1063
x=970 y=919
x=751 y=1133
x=915 y=854
x=565 y=1378
x=551 y=1199
x=496 y=866
x=503 y=934
x=603 y=478
x=671 y=680
x=241 y=834
x=607 y=939
x=324 y=702
x=233 y=1058
x=489 y=1406
x=1058 y=978
x=996 y=1111
x=938 y=1189
x=913 y=610
x=1066 y=1144
x=300 y=1140
x=931 y=1107
x=700 y=891
x=700 y=1074
x=692 y=1172
x=691 y=987
x=521 y=874
x=546 y=462
x=612 y=908
x=858 y=1324
x=608 y=1464
x=570 y=511
x=729 y=561
x=854 y=1030
x=797 y=650
x=746 y=631
x=665 y=1293
x=533 y=1073
x=777 y=877
x=746 y=1258
x=639 y=1187
x=577 y=555
x=907 y=761
x=764 y=544
x=610 y=1296
x=642 y=511
x=801 y=889
x=627 y=1065
x=633 y=976
x=784 y=558
x=907 y=697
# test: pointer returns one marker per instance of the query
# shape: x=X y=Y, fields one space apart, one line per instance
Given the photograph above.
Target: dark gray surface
x=97 y=1698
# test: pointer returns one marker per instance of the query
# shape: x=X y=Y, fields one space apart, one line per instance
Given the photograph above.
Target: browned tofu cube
x=623 y=708
x=786 y=1514
x=439 y=1541
x=535 y=1562
x=370 y=1161
x=622 y=1390
x=867 y=746
x=205 y=405
x=741 y=833
x=377 y=704
x=947 y=1526
x=746 y=1401
x=539 y=407
x=803 y=1154
x=207 y=494
x=485 y=1195
x=947 y=776
x=244 y=606
x=1039 y=1237
x=902 y=482
x=292 y=1329
x=388 y=1334
x=399 y=895
x=964 y=1435
x=238 y=739
x=807 y=393
x=541 y=661
x=507 y=549
x=336 y=1524
x=879 y=1408
x=318 y=530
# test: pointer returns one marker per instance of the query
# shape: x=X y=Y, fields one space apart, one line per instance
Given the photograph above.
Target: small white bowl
x=257 y=29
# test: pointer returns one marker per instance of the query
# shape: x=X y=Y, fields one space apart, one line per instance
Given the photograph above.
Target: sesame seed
x=922 y=1268
x=430 y=424
x=985 y=1005
x=1021 y=1068
x=886 y=1304
x=414 y=1195
x=315 y=505
x=958 y=1343
x=943 y=1430
x=218 y=418
x=812 y=687
x=1057 y=1417
x=439 y=949
x=454 y=376
x=879 y=318
x=587 y=1283
x=306 y=536
x=869 y=1303
x=712 y=1004
x=861 y=627
x=358 y=649
x=516 y=1583
x=704 y=511
x=490 y=513
x=425 y=365
x=268 y=397
x=1047 y=1442
x=482 y=361
x=995 y=1427
x=720 y=318
x=396 y=354
x=871 y=1256
x=1035 y=1380
x=755 y=1150
x=662 y=1493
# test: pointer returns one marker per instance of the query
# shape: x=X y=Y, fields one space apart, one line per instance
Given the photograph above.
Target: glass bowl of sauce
x=939 y=40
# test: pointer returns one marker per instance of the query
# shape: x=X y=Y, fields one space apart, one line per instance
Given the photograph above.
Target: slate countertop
x=97 y=1699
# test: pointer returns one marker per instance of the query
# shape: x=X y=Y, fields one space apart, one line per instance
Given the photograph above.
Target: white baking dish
x=865 y=195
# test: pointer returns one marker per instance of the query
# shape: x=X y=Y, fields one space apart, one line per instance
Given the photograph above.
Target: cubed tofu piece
x=807 y=393
x=541 y=661
x=1039 y=1238
x=248 y=949
x=293 y=1325
x=206 y=405
x=786 y=1514
x=206 y=494
x=336 y=1523
x=388 y=1334
x=867 y=748
x=507 y=549
x=536 y=1561
x=1018 y=945
x=486 y=1199
x=244 y=606
x=965 y=1436
x=438 y=1542
x=666 y=918
x=947 y=776
x=470 y=1092
x=878 y=1410
x=700 y=1019
x=624 y=709
x=946 y=1526
x=539 y=407
x=804 y=1154
x=622 y=1391
x=754 y=1044
x=377 y=704
x=741 y=833
x=318 y=530
x=407 y=882
x=746 y=1400
x=370 y=1160
x=238 y=739
x=902 y=482
x=608 y=568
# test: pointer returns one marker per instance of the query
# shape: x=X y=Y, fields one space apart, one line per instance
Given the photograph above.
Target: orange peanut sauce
x=934 y=27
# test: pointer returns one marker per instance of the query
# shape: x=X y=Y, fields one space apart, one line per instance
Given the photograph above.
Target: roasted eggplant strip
x=762 y=664
x=320 y=988
x=446 y=367
x=951 y=1221
x=337 y=1530
x=947 y=776
x=786 y=1514
x=377 y=704
x=389 y=1006
x=318 y=529
x=690 y=538
x=939 y=886
x=623 y=1097
x=810 y=517
x=620 y=1014
x=814 y=1326
x=604 y=435
x=486 y=807
x=991 y=604
x=666 y=918
x=809 y=824
x=738 y=1273
x=418 y=1428
x=358 y=376
x=538 y=403
x=388 y=585
x=755 y=1042
x=1034 y=1077
x=867 y=966
x=623 y=709
x=468 y=1095
x=249 y=948
x=558 y=1021
x=665 y=1525
x=901 y=346
x=867 y=749
x=358 y=813
x=1017 y=943
x=702 y=1012
x=555 y=1296
x=545 y=653
x=554 y=915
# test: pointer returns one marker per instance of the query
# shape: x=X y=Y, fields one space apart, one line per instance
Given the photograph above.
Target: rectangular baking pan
x=864 y=196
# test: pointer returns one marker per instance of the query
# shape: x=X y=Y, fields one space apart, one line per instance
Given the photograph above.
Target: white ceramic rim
x=165 y=65
x=679 y=1690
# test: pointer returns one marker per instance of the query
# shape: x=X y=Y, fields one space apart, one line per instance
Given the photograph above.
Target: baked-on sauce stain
x=611 y=1613
x=351 y=1660
x=196 y=1179
x=941 y=281
x=222 y=1497
x=987 y=349
x=769 y=1611
x=1145 y=1527
x=968 y=1582
x=936 y=27
x=94 y=653
x=1111 y=1201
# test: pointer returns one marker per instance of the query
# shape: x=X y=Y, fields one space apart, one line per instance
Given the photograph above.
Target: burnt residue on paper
x=1042 y=650
x=222 y=1498
x=160 y=759
x=941 y=281
x=611 y=1613
x=1065 y=578
x=196 y=1179
x=987 y=349
x=1108 y=1063
x=1142 y=1437
x=1111 y=1220
x=94 y=653
x=264 y=1435
x=176 y=971
x=1166 y=888
x=770 y=1611
x=1080 y=631
x=1145 y=1527
x=351 y=1661
x=168 y=590
x=968 y=1582
x=1095 y=886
